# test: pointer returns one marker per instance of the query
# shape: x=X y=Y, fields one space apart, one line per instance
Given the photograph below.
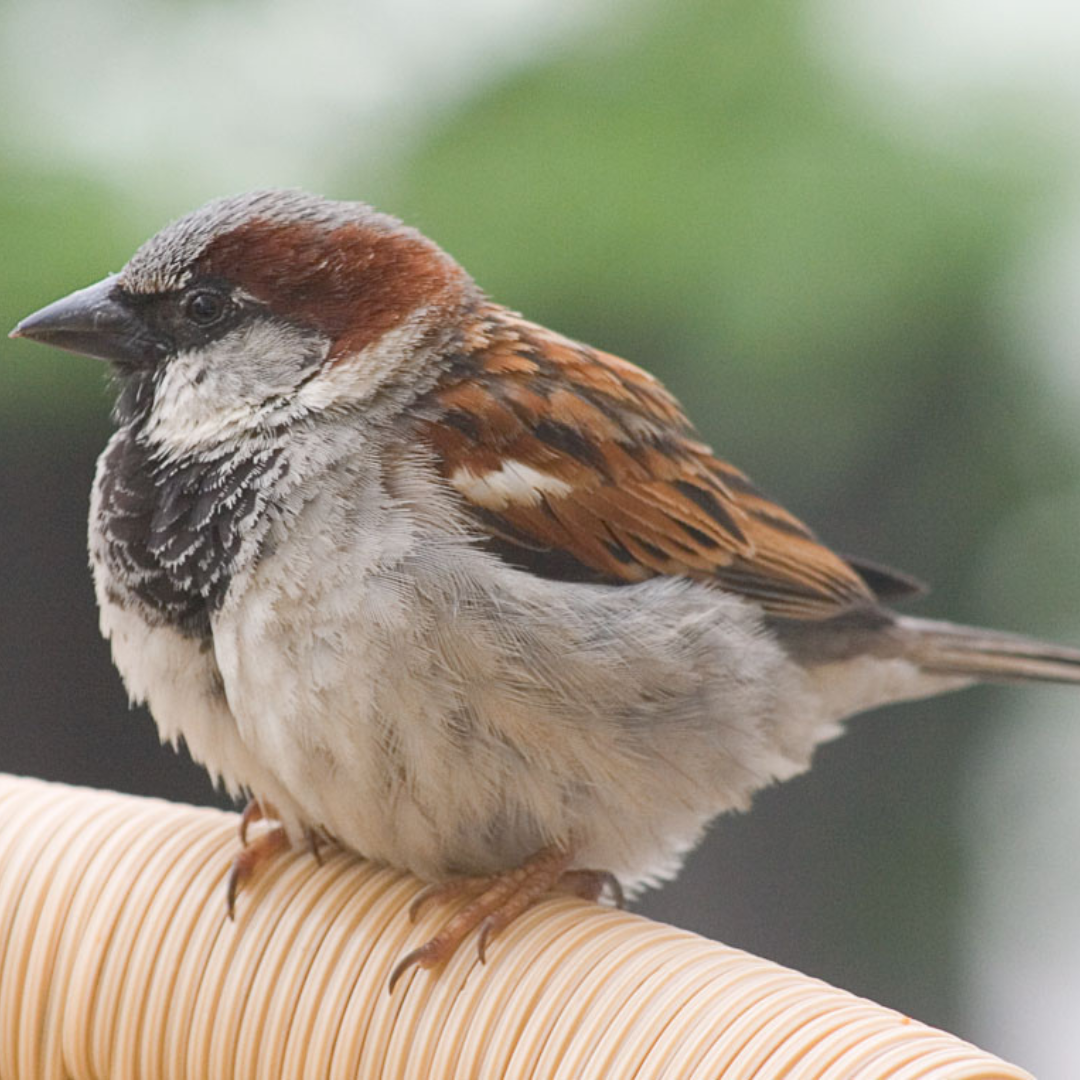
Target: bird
x=415 y=575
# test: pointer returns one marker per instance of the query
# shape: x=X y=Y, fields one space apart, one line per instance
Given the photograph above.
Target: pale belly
x=458 y=722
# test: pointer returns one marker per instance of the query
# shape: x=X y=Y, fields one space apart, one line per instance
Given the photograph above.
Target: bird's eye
x=205 y=307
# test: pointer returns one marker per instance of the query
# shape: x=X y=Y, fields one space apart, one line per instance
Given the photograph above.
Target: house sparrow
x=441 y=584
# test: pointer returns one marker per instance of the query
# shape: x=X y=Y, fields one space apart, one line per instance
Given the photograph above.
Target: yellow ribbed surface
x=117 y=960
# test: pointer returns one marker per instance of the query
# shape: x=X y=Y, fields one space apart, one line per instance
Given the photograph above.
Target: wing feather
x=577 y=462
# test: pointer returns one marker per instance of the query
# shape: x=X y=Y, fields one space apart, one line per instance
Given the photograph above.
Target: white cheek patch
x=185 y=416
x=512 y=482
x=261 y=374
x=209 y=395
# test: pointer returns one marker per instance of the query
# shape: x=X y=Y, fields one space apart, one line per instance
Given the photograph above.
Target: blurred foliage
x=59 y=232
x=693 y=189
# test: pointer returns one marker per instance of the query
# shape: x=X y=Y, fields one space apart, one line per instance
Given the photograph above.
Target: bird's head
x=260 y=308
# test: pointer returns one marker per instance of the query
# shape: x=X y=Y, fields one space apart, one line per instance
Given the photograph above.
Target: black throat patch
x=172 y=530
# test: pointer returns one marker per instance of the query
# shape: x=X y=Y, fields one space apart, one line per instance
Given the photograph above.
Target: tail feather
x=943 y=648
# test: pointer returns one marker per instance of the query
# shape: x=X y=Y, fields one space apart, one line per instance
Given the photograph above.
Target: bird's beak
x=94 y=321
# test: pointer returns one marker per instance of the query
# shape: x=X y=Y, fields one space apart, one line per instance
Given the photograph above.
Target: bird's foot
x=592 y=884
x=255 y=810
x=250 y=858
x=498 y=900
x=262 y=848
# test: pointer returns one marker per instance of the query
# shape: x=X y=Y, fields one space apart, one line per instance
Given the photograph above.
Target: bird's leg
x=263 y=847
x=315 y=840
x=447 y=890
x=499 y=899
x=591 y=885
x=255 y=810
x=250 y=858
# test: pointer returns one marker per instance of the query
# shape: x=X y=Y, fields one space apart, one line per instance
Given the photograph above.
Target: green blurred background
x=845 y=234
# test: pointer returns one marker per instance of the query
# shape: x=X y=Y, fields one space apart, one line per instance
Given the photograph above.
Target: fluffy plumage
x=444 y=584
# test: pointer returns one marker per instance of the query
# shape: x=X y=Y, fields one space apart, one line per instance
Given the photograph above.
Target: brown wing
x=581 y=465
